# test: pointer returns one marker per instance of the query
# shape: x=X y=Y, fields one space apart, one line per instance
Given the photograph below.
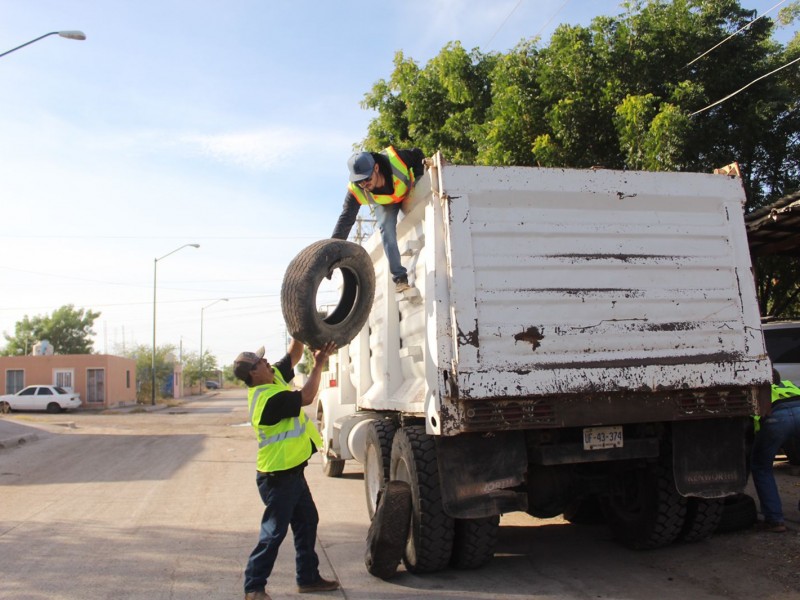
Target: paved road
x=163 y=505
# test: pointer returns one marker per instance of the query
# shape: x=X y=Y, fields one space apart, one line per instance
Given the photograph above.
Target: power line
x=744 y=88
x=733 y=34
x=516 y=6
x=550 y=20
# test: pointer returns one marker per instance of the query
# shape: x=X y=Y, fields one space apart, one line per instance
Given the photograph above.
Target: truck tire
x=430 y=539
x=377 y=461
x=474 y=542
x=702 y=518
x=738 y=512
x=644 y=510
x=585 y=510
x=331 y=467
x=388 y=530
x=301 y=283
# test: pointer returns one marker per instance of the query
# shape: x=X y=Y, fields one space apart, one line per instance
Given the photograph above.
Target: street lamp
x=202 y=376
x=153 y=361
x=70 y=35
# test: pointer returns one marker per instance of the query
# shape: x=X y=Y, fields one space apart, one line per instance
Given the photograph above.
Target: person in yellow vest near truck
x=382 y=180
x=286 y=440
x=773 y=431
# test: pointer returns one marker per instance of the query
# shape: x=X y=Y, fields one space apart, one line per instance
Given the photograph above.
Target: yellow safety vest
x=402 y=183
x=780 y=391
x=287 y=443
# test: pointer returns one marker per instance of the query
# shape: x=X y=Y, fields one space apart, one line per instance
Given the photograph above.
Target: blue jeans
x=288 y=503
x=776 y=430
x=386 y=215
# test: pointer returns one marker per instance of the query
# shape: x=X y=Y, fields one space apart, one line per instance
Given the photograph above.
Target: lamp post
x=153 y=358
x=70 y=35
x=202 y=376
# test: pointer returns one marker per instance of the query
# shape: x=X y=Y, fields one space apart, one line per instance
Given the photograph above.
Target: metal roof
x=775 y=229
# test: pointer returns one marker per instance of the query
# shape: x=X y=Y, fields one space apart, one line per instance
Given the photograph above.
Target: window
x=783 y=345
x=63 y=378
x=128 y=379
x=15 y=380
x=31 y=391
x=43 y=391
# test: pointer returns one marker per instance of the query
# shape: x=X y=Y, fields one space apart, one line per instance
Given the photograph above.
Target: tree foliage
x=630 y=91
x=68 y=330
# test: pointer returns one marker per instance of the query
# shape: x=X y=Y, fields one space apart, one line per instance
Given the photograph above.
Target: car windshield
x=783 y=345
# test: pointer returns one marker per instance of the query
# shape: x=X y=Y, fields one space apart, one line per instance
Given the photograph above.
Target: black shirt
x=283 y=405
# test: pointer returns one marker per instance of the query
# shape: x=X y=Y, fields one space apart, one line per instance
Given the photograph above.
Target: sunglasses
x=366 y=181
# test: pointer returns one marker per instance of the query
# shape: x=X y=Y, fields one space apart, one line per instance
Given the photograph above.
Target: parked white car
x=783 y=346
x=51 y=398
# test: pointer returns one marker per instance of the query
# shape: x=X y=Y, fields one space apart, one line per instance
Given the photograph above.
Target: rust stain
x=530 y=335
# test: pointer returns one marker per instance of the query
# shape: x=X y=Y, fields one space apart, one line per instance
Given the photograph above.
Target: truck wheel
x=430 y=540
x=388 y=530
x=377 y=462
x=331 y=467
x=702 y=518
x=301 y=283
x=474 y=542
x=644 y=510
x=738 y=512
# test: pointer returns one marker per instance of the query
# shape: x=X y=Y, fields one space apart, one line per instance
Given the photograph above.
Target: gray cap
x=245 y=361
x=360 y=165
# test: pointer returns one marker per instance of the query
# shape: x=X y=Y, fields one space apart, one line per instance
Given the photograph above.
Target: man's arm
x=295 y=351
x=309 y=391
x=347 y=218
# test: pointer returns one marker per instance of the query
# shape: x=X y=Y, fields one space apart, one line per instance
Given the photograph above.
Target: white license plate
x=597 y=438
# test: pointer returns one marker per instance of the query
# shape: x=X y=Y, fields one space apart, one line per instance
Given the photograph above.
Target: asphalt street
x=163 y=505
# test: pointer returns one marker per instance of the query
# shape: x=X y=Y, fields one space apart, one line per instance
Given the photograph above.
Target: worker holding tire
x=286 y=440
x=382 y=180
x=773 y=431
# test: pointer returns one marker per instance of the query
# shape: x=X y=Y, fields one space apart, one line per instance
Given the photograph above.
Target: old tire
x=585 y=510
x=430 y=539
x=702 y=518
x=5 y=408
x=738 y=512
x=474 y=542
x=301 y=283
x=377 y=461
x=331 y=467
x=644 y=510
x=388 y=531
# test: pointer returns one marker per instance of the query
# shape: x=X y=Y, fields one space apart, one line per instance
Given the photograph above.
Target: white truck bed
x=540 y=288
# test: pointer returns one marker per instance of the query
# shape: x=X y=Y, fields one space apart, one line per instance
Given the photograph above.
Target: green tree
x=68 y=330
x=164 y=363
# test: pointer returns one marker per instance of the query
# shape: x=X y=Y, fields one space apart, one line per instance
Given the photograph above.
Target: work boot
x=257 y=596
x=401 y=285
x=320 y=585
x=771 y=526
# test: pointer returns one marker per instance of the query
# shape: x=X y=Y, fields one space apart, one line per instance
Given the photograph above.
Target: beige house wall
x=119 y=373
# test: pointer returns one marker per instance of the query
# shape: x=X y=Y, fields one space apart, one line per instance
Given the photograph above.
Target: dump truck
x=584 y=343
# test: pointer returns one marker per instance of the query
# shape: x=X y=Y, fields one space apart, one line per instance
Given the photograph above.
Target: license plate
x=597 y=438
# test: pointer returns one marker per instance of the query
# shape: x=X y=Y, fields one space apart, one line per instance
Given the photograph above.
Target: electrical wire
x=744 y=88
x=733 y=34
x=516 y=6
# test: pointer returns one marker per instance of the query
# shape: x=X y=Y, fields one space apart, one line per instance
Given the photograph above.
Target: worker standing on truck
x=773 y=431
x=286 y=440
x=383 y=180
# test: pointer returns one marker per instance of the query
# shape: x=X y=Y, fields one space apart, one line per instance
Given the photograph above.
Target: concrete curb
x=18 y=440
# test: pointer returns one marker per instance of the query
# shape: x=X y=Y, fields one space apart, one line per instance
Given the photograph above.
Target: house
x=102 y=380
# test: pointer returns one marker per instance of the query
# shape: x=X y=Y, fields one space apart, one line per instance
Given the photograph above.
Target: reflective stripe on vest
x=287 y=443
x=402 y=183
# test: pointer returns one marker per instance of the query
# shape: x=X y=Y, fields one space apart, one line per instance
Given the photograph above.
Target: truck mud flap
x=709 y=457
x=479 y=471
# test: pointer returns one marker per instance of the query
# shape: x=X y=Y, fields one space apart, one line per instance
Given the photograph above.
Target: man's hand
x=322 y=354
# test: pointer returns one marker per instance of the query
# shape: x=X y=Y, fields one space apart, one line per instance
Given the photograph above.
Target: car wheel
x=301 y=283
x=53 y=408
x=5 y=408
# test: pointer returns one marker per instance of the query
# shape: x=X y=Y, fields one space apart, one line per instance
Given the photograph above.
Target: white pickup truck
x=575 y=340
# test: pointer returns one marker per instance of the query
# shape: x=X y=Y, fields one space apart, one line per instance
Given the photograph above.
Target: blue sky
x=226 y=124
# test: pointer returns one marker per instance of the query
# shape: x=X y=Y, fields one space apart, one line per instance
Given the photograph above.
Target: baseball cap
x=245 y=361
x=360 y=166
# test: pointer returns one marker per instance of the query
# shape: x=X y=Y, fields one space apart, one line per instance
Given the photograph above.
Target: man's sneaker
x=401 y=285
x=321 y=585
x=257 y=596
x=771 y=527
